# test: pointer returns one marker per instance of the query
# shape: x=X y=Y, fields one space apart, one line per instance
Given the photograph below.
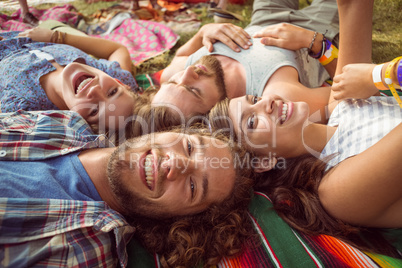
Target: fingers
x=208 y=44
x=235 y=36
x=338 y=95
x=231 y=35
x=24 y=33
x=269 y=41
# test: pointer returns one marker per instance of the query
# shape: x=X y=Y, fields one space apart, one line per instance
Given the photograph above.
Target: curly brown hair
x=220 y=231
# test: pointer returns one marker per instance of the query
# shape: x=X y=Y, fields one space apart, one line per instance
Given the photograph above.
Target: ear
x=263 y=164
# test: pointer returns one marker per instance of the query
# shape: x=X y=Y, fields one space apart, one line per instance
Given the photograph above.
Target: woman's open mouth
x=82 y=82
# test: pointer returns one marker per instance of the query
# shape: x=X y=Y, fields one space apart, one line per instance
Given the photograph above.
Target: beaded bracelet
x=310 y=51
x=389 y=82
x=330 y=54
x=399 y=75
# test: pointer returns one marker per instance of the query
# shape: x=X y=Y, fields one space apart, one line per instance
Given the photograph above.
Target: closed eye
x=195 y=91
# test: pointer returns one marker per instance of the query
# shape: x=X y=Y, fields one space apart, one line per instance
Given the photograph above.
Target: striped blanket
x=281 y=246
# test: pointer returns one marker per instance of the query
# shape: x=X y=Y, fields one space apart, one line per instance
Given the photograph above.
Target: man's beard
x=215 y=67
x=134 y=206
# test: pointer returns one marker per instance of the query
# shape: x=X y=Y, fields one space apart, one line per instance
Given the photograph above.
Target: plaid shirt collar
x=36 y=135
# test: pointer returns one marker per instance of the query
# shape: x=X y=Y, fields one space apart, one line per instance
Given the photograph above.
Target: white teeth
x=149 y=159
x=284 y=112
x=82 y=84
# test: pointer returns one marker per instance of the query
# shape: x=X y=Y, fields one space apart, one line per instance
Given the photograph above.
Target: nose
x=189 y=75
x=267 y=104
x=96 y=93
x=176 y=167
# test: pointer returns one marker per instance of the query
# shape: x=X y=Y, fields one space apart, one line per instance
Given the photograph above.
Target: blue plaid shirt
x=36 y=135
x=50 y=232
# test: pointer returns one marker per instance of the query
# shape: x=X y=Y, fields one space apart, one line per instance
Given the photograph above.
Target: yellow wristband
x=388 y=80
x=377 y=80
x=329 y=55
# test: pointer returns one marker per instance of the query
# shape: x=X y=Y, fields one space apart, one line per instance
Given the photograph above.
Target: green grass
x=387 y=29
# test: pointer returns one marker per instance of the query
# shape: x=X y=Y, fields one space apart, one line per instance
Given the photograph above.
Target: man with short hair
x=238 y=65
x=65 y=202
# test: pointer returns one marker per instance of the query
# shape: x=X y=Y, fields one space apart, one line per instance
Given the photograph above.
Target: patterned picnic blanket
x=144 y=39
x=281 y=246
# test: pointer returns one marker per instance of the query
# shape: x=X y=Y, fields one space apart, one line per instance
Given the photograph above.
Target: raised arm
x=231 y=35
x=100 y=48
x=366 y=189
x=355 y=23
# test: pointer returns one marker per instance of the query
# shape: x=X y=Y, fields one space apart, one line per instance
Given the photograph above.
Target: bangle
x=310 y=52
x=330 y=54
x=326 y=44
x=61 y=37
x=399 y=74
x=53 y=38
x=377 y=77
x=58 y=37
x=389 y=82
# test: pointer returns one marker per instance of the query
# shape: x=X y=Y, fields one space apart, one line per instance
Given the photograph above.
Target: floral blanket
x=144 y=39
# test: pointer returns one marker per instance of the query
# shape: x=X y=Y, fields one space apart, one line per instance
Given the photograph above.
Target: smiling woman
x=39 y=75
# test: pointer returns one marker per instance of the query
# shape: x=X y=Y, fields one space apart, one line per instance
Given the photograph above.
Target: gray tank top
x=261 y=61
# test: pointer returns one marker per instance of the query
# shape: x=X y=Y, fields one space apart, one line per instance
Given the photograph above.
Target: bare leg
x=154 y=4
x=134 y=5
x=27 y=17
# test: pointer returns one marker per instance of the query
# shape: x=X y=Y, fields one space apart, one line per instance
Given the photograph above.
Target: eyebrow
x=204 y=187
x=205 y=178
x=119 y=92
x=241 y=119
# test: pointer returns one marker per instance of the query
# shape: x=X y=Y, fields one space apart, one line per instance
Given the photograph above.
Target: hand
x=286 y=36
x=355 y=81
x=38 y=34
x=231 y=35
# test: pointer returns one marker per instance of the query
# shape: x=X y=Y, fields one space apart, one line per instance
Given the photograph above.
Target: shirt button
x=8 y=120
x=65 y=150
x=2 y=153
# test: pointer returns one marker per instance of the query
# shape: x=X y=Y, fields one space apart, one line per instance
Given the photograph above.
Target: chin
x=303 y=109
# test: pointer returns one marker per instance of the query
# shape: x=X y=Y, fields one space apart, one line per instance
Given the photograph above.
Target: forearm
x=192 y=45
x=355 y=23
x=100 y=48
